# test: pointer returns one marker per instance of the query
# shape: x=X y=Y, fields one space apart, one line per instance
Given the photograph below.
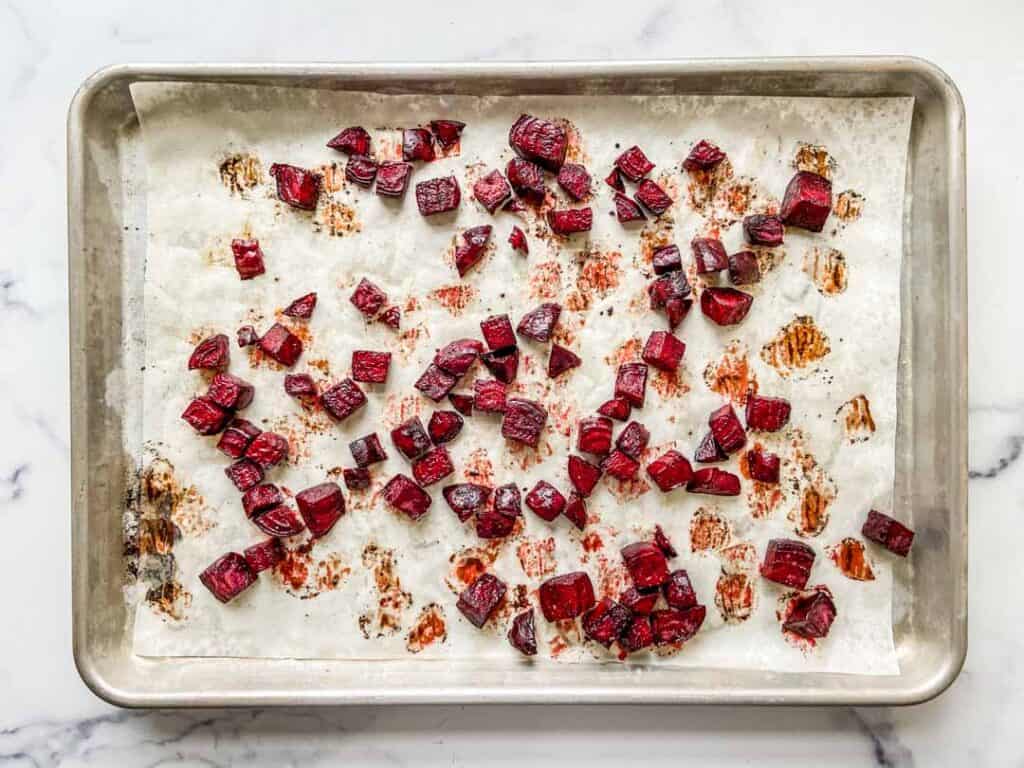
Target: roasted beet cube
x=575 y=180
x=709 y=255
x=891 y=534
x=545 y=500
x=393 y=178
x=502 y=363
x=626 y=209
x=666 y=259
x=478 y=601
x=725 y=306
x=248 y=258
x=761 y=229
x=489 y=396
x=638 y=635
x=321 y=506
x=633 y=439
x=614 y=180
x=417 y=144
x=620 y=465
x=236 y=438
x=352 y=141
x=247 y=336
x=492 y=524
x=679 y=591
x=267 y=449
x=652 y=197
x=540 y=140
x=663 y=350
x=438 y=195
x=571 y=220
x=576 y=511
x=444 y=426
x=281 y=345
x=458 y=356
x=461 y=403
x=709 y=451
x=230 y=392
x=227 y=577
x=356 y=478
x=714 y=482
x=762 y=466
x=371 y=367
x=367 y=450
x=517 y=239
x=522 y=635
x=606 y=621
x=447 y=132
x=726 y=428
x=526 y=179
x=788 y=562
x=640 y=603
x=436 y=383
x=672 y=285
x=466 y=499
x=507 y=500
x=523 y=421
x=410 y=438
x=583 y=475
x=676 y=311
x=631 y=383
x=265 y=555
x=244 y=473
x=633 y=164
x=811 y=615
x=368 y=298
x=205 y=416
x=646 y=564
x=432 y=466
x=595 y=435
x=492 y=191
x=477 y=236
x=403 y=494
x=539 y=324
x=561 y=360
x=497 y=331
x=261 y=498
x=302 y=307
x=343 y=399
x=703 y=157
x=300 y=385
x=566 y=596
x=296 y=186
x=279 y=521
x=361 y=170
x=391 y=317
x=211 y=354
x=661 y=542
x=807 y=202
x=767 y=414
x=617 y=408
x=670 y=470
x=744 y=268
x=673 y=626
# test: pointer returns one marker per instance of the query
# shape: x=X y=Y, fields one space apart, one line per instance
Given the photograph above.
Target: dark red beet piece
x=367 y=450
x=709 y=451
x=517 y=239
x=465 y=499
x=767 y=414
x=502 y=363
x=709 y=255
x=566 y=596
x=246 y=336
x=652 y=197
x=361 y=170
x=666 y=259
x=726 y=428
x=211 y=354
x=391 y=317
x=321 y=506
x=744 y=268
x=356 y=479
x=807 y=202
x=811 y=615
x=545 y=500
x=467 y=257
x=507 y=500
x=763 y=467
x=522 y=635
x=205 y=416
x=631 y=383
x=633 y=439
x=279 y=521
x=300 y=385
x=410 y=438
x=714 y=482
x=343 y=399
x=633 y=164
x=393 y=178
x=725 y=306
x=664 y=351
x=477 y=236
x=447 y=132
x=432 y=466
x=302 y=307
x=638 y=635
x=461 y=403
x=661 y=542
x=524 y=421
x=352 y=141
x=248 y=258
x=244 y=474
x=704 y=156
x=561 y=360
x=417 y=144
x=489 y=396
x=620 y=465
x=571 y=220
x=492 y=524
x=438 y=195
x=261 y=498
x=595 y=435
x=435 y=383
x=371 y=367
x=788 y=562
x=267 y=449
x=575 y=180
x=265 y=555
x=679 y=591
x=368 y=298
x=761 y=229
x=626 y=210
x=617 y=408
x=646 y=564
x=444 y=426
x=230 y=392
x=492 y=191
x=236 y=438
x=640 y=603
x=583 y=475
x=671 y=292
x=673 y=626
x=576 y=511
x=526 y=179
x=614 y=180
x=227 y=577
x=478 y=601
x=281 y=345
x=457 y=357
x=606 y=621
x=403 y=494
x=676 y=311
x=670 y=470
x=497 y=332
x=296 y=186
x=540 y=140
x=539 y=324
x=891 y=534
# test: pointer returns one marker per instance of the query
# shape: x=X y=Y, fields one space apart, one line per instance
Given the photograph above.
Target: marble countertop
x=48 y=717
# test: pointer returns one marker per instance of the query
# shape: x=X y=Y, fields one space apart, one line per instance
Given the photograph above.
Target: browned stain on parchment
x=855 y=416
x=429 y=628
x=797 y=346
x=827 y=269
x=392 y=601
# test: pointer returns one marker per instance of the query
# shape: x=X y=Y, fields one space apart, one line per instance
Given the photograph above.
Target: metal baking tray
x=107 y=240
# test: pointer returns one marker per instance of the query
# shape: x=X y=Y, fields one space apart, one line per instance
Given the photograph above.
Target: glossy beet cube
x=296 y=186
x=627 y=210
x=714 y=482
x=230 y=392
x=211 y=354
x=663 y=351
x=539 y=140
x=561 y=360
x=205 y=416
x=638 y=635
x=356 y=478
x=321 y=507
x=246 y=336
x=248 y=258
x=811 y=615
x=444 y=426
x=438 y=195
x=436 y=383
x=458 y=356
x=526 y=179
x=522 y=634
x=671 y=293
x=744 y=268
x=545 y=500
x=633 y=164
x=807 y=202
x=465 y=499
x=279 y=521
x=265 y=555
x=244 y=474
x=673 y=626
x=371 y=367
x=352 y=141
x=343 y=399
x=661 y=542
x=368 y=298
x=576 y=511
x=261 y=498
x=606 y=621
x=726 y=428
x=725 y=306
x=762 y=466
x=361 y=170
x=575 y=180
x=524 y=421
x=467 y=257
x=666 y=259
x=891 y=534
x=788 y=562
x=300 y=385
x=679 y=591
x=617 y=408
x=267 y=449
x=566 y=596
x=633 y=439
x=403 y=494
x=478 y=601
x=703 y=157
x=410 y=438
x=761 y=229
x=583 y=475
x=670 y=470
x=492 y=191
x=461 y=403
x=236 y=438
x=646 y=564
x=432 y=466
x=570 y=220
x=614 y=180
x=652 y=197
x=479 y=235
x=507 y=500
x=620 y=465
x=393 y=179
x=367 y=450
x=502 y=363
x=302 y=307
x=767 y=414
x=517 y=239
x=492 y=524
x=640 y=603
x=227 y=577
x=417 y=144
x=447 y=132
x=595 y=435
x=497 y=332
x=391 y=317
x=539 y=324
x=489 y=396
x=709 y=255
x=631 y=383
x=281 y=345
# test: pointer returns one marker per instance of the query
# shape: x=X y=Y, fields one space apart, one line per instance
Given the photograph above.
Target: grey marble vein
x=886 y=747
x=12 y=485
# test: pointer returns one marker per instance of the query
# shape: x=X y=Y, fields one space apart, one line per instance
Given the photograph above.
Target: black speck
x=617 y=145
x=611 y=310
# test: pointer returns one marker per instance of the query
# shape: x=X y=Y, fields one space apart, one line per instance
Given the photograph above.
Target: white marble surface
x=47 y=717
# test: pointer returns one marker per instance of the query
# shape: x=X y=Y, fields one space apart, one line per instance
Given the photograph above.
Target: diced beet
x=522 y=635
x=646 y=564
x=267 y=449
x=444 y=426
x=583 y=475
x=545 y=500
x=247 y=336
x=367 y=450
x=761 y=229
x=614 y=180
x=571 y=220
x=361 y=170
x=606 y=621
x=248 y=258
x=652 y=197
x=489 y=396
x=540 y=140
x=432 y=466
x=788 y=562
x=302 y=307
x=576 y=511
x=670 y=470
x=356 y=478
x=703 y=157
x=762 y=466
x=391 y=317
x=296 y=186
x=205 y=416
x=465 y=499
x=261 y=498
x=281 y=345
x=633 y=164
x=890 y=533
x=230 y=392
x=595 y=435
x=417 y=144
x=726 y=428
x=807 y=202
x=709 y=255
x=457 y=357
x=507 y=500
x=321 y=506
x=638 y=635
x=410 y=438
x=666 y=259
x=626 y=209
x=368 y=298
x=461 y=403
x=236 y=438
x=633 y=439
x=663 y=350
x=403 y=494
x=676 y=311
x=679 y=591
x=811 y=615
x=714 y=482
x=435 y=383
x=393 y=178
x=526 y=179
x=517 y=239
x=211 y=354
x=709 y=451
x=767 y=414
x=227 y=577
x=561 y=360
x=620 y=465
x=438 y=195
x=524 y=421
x=447 y=132
x=631 y=383
x=673 y=626
x=672 y=285
x=478 y=601
x=279 y=521
x=467 y=257
x=640 y=603
x=539 y=324
x=369 y=366
x=725 y=306
x=492 y=524
x=477 y=236
x=343 y=399
x=352 y=141
x=566 y=596
x=492 y=191
x=744 y=268
x=497 y=331
x=575 y=180
x=300 y=385
x=661 y=542
x=617 y=408
x=244 y=474
x=265 y=555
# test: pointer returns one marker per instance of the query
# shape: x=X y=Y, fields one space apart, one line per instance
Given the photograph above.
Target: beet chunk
x=646 y=564
x=361 y=170
x=524 y=421
x=477 y=236
x=371 y=367
x=236 y=438
x=438 y=195
x=267 y=449
x=566 y=596
x=575 y=180
x=343 y=399
x=467 y=257
x=502 y=363
x=763 y=467
x=631 y=383
x=410 y=438
x=507 y=500
x=246 y=336
x=447 y=132
x=417 y=144
x=367 y=450
x=393 y=178
x=714 y=482
x=670 y=470
x=261 y=498
x=561 y=360
x=489 y=396
x=357 y=478
x=265 y=555
x=368 y=298
x=517 y=239
x=674 y=626
x=465 y=499
x=633 y=439
x=497 y=332
x=726 y=428
x=571 y=220
x=244 y=474
x=709 y=255
x=725 y=306
x=461 y=403
x=279 y=521
x=403 y=494
x=763 y=229
x=583 y=475
x=432 y=466
x=576 y=511
x=300 y=385
x=666 y=259
x=478 y=601
x=539 y=324
x=703 y=157
x=811 y=615
x=807 y=202
x=227 y=577
x=788 y=562
x=545 y=500
x=890 y=533
x=617 y=408
x=638 y=635
x=640 y=603
x=663 y=351
x=614 y=180
x=526 y=178
x=302 y=307
x=211 y=354
x=679 y=591
x=248 y=258
x=661 y=542
x=321 y=506
x=671 y=292
x=205 y=416
x=352 y=141
x=436 y=383
x=444 y=426
x=230 y=392
x=458 y=356
x=296 y=186
x=606 y=621
x=744 y=268
x=595 y=435
x=626 y=210
x=492 y=191
x=391 y=317
x=540 y=140
x=522 y=635
x=652 y=197
x=633 y=164
x=281 y=345
x=492 y=524
x=767 y=414
x=620 y=465
x=709 y=451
